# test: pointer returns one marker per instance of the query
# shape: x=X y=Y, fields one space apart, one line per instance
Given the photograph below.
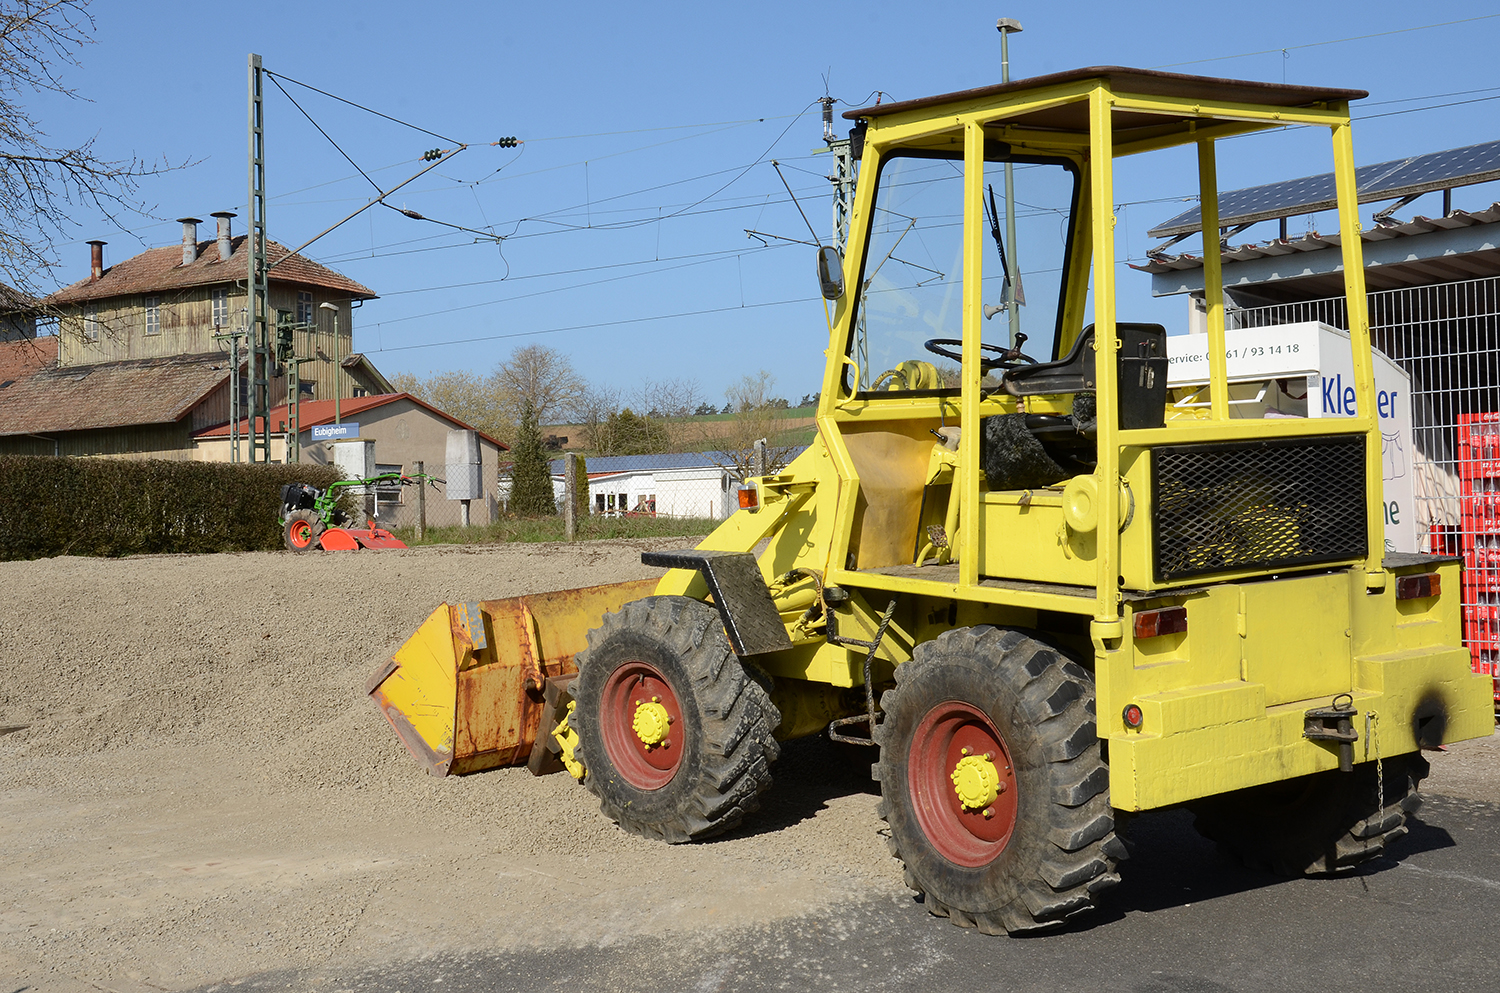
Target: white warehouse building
x=685 y=484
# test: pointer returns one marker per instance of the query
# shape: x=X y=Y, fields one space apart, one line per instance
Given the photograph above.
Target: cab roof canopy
x=1153 y=109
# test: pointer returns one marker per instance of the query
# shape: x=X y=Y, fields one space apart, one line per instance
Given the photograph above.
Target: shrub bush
x=67 y=506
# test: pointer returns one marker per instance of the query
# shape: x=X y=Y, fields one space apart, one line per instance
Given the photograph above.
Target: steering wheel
x=1005 y=358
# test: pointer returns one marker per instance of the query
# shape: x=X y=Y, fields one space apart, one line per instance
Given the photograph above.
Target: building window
x=221 y=308
x=153 y=314
x=91 y=322
x=360 y=391
x=304 y=308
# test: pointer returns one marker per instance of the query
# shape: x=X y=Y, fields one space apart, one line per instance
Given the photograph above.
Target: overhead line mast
x=258 y=278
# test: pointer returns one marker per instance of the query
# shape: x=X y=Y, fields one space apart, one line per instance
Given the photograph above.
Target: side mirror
x=830 y=272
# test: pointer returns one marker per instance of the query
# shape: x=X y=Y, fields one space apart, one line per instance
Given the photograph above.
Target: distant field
x=705 y=432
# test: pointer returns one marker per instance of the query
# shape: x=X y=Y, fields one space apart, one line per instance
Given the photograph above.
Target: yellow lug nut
x=976 y=781
x=650 y=723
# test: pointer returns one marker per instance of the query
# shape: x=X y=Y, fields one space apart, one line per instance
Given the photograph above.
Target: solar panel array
x=1381 y=181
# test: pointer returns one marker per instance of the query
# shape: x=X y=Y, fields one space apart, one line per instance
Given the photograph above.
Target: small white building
x=683 y=484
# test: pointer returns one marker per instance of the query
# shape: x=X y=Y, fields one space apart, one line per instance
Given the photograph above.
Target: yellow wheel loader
x=1038 y=593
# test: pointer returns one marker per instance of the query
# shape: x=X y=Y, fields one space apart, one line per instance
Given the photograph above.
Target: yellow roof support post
x=1213 y=281
x=973 y=308
x=1107 y=624
x=1359 y=340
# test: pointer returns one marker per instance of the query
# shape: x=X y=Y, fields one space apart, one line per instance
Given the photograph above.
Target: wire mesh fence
x=696 y=486
x=1445 y=337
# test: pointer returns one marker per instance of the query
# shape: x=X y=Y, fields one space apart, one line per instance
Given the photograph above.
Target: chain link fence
x=1447 y=337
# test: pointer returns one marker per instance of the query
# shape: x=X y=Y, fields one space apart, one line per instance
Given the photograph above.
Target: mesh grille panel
x=1243 y=505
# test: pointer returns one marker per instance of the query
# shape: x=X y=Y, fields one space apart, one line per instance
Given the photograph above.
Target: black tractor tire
x=1036 y=709
x=300 y=530
x=715 y=761
x=1325 y=823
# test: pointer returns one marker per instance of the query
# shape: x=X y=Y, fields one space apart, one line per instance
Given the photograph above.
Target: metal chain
x=1372 y=736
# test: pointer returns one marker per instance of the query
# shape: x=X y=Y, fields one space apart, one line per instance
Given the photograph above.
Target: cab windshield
x=911 y=286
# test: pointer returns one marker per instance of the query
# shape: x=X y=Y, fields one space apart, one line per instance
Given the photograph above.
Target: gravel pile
x=203 y=791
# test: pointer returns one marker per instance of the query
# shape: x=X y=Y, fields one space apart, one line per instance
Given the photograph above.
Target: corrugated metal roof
x=109 y=395
x=162 y=269
x=1313 y=241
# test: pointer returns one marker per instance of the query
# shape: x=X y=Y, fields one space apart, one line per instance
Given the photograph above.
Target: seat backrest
x=1073 y=373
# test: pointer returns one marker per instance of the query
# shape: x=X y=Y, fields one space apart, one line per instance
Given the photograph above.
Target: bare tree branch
x=42 y=185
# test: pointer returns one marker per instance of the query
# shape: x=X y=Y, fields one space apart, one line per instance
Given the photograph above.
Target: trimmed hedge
x=72 y=506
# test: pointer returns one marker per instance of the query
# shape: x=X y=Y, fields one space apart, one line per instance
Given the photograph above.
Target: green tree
x=530 y=478
x=632 y=434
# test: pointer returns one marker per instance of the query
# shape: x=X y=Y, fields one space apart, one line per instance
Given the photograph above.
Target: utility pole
x=1008 y=26
x=286 y=357
x=258 y=281
x=338 y=362
x=843 y=175
x=233 y=337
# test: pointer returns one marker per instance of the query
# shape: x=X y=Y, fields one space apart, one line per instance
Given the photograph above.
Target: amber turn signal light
x=749 y=498
x=1167 y=620
x=1417 y=587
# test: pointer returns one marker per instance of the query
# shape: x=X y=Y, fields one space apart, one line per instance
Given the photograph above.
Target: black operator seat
x=1073 y=373
x=1142 y=375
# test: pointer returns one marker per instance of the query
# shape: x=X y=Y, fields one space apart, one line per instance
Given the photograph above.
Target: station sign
x=334 y=432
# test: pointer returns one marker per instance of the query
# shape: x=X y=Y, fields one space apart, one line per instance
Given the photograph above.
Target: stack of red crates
x=1479 y=482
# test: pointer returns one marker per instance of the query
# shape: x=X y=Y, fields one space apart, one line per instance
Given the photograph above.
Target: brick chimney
x=226 y=244
x=189 y=239
x=96 y=260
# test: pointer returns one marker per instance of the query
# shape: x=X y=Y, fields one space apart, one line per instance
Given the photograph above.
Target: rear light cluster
x=1418 y=587
x=1166 y=620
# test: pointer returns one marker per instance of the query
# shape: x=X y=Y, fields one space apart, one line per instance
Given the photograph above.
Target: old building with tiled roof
x=142 y=357
x=174 y=300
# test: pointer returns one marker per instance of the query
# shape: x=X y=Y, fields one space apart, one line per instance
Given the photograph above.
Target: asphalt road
x=1184 y=920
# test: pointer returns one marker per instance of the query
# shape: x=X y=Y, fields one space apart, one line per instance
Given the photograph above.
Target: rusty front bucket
x=465 y=691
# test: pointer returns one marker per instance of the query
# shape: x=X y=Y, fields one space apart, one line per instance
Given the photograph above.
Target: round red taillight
x=1132 y=715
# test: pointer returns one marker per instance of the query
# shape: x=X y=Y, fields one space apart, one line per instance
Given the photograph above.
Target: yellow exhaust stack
x=465 y=692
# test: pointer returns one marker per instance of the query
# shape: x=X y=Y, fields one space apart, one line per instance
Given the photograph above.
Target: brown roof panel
x=162 y=269
x=24 y=359
x=1143 y=82
x=311 y=412
x=109 y=395
x=17 y=302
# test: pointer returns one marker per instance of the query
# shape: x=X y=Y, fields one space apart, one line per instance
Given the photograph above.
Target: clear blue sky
x=633 y=113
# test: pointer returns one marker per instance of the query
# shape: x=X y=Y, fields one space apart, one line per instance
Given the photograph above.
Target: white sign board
x=1318 y=356
x=331 y=432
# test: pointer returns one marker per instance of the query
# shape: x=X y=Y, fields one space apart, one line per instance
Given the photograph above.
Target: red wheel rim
x=301 y=534
x=629 y=687
x=963 y=836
